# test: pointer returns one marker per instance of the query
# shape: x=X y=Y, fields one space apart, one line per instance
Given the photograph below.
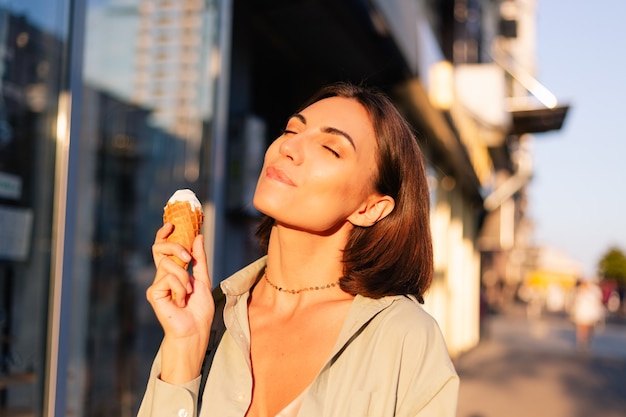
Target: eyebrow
x=331 y=130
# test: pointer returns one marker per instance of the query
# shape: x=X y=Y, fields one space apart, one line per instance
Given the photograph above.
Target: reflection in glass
x=146 y=111
x=32 y=62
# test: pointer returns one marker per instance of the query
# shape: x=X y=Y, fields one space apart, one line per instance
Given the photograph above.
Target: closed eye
x=335 y=153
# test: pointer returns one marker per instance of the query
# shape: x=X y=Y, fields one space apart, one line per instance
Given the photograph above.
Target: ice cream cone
x=187 y=218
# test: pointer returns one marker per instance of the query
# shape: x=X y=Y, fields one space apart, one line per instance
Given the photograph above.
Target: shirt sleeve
x=444 y=402
x=162 y=399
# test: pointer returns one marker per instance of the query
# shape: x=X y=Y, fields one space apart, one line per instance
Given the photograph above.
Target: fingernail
x=185 y=256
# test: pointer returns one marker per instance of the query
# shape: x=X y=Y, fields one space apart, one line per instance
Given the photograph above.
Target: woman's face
x=320 y=171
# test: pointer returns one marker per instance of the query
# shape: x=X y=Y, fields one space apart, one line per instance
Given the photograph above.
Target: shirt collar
x=240 y=282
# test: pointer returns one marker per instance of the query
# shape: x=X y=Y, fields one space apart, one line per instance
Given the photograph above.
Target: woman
x=587 y=312
x=329 y=322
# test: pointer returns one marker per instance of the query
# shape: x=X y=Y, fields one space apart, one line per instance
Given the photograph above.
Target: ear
x=377 y=207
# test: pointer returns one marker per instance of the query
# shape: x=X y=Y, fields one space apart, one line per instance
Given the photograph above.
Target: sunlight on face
x=321 y=169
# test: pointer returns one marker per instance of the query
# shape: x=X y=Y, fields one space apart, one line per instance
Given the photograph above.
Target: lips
x=279 y=175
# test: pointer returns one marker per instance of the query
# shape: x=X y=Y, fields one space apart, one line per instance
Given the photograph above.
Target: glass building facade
x=34 y=57
x=106 y=108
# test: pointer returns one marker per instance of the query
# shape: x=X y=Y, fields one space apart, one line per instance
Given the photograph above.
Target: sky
x=577 y=198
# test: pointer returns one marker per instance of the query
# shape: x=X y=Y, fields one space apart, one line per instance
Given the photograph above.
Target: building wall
x=454 y=296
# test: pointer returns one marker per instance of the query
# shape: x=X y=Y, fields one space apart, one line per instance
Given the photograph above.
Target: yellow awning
x=542 y=278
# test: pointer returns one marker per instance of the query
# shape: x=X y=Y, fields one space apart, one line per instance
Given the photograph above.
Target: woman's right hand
x=183 y=305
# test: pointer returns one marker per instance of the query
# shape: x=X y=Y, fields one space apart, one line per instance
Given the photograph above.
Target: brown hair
x=394 y=256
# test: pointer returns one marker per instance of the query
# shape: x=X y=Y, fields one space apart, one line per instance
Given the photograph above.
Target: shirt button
x=183 y=413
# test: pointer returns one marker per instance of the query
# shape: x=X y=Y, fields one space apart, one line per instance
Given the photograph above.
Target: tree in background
x=612 y=267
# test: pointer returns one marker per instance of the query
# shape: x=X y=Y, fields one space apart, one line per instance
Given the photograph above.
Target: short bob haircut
x=395 y=255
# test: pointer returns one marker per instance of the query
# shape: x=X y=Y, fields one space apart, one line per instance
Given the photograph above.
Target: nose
x=292 y=147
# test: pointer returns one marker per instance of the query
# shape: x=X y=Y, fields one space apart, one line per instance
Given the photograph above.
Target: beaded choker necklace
x=315 y=288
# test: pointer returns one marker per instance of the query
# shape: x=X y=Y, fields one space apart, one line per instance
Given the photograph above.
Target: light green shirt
x=390 y=360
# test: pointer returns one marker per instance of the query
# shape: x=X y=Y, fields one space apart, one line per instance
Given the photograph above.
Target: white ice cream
x=186 y=195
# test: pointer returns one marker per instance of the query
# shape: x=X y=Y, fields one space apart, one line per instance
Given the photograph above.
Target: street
x=530 y=367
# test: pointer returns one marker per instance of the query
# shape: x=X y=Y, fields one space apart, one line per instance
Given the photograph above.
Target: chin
x=263 y=206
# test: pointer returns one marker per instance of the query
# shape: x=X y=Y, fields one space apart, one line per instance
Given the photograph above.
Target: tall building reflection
x=157 y=54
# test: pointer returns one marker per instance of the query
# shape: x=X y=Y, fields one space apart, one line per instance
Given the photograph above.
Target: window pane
x=32 y=58
x=146 y=110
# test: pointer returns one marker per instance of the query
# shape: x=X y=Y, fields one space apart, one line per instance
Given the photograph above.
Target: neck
x=299 y=259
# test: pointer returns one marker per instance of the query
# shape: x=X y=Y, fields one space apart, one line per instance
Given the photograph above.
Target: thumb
x=200 y=268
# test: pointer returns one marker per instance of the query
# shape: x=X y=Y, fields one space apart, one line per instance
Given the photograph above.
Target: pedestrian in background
x=588 y=311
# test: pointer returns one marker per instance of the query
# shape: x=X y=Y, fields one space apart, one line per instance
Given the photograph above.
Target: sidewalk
x=526 y=368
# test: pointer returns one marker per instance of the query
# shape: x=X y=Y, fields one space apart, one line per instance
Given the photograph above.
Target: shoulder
x=410 y=349
x=415 y=336
x=404 y=314
x=403 y=319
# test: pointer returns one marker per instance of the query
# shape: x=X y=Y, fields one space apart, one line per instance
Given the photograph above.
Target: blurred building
x=551 y=282
x=107 y=107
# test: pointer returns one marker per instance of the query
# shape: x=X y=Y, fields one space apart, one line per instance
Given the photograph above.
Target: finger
x=163 y=232
x=171 y=249
x=200 y=268
x=168 y=288
x=161 y=236
x=169 y=265
x=163 y=249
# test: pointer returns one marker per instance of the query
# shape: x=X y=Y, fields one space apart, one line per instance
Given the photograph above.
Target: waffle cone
x=187 y=224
